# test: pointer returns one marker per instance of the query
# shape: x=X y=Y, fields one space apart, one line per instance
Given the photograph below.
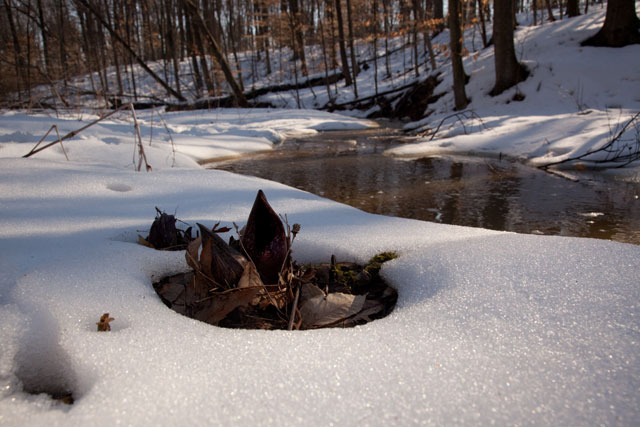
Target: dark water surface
x=349 y=167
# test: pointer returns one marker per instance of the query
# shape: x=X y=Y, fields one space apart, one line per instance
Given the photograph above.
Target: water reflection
x=349 y=167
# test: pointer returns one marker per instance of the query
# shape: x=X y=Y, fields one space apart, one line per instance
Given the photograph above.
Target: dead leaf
x=191 y=254
x=219 y=261
x=103 y=324
x=265 y=240
x=142 y=241
x=250 y=277
x=163 y=232
x=318 y=309
x=218 y=305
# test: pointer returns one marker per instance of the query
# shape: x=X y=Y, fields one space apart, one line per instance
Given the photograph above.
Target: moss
x=375 y=263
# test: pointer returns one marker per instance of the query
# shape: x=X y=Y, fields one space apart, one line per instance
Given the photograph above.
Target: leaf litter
x=252 y=282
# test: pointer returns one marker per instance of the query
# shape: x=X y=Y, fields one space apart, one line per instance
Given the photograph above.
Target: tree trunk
x=374 y=26
x=508 y=70
x=343 y=48
x=45 y=41
x=550 y=11
x=459 y=76
x=572 y=8
x=621 y=26
x=438 y=14
x=17 y=58
x=298 y=41
x=355 y=69
x=483 y=25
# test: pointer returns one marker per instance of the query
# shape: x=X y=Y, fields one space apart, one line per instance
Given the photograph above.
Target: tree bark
x=621 y=26
x=355 y=69
x=343 y=48
x=508 y=70
x=572 y=8
x=459 y=77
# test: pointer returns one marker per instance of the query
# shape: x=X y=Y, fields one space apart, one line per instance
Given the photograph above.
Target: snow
x=490 y=327
x=196 y=136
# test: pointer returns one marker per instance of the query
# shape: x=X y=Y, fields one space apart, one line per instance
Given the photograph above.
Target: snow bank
x=489 y=326
x=188 y=137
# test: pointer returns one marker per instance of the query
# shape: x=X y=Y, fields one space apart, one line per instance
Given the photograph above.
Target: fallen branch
x=59 y=141
x=72 y=133
x=460 y=116
x=628 y=152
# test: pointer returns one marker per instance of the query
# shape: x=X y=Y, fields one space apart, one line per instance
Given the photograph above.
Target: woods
x=231 y=44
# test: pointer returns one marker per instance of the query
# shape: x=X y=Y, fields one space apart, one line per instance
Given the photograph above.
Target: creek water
x=350 y=167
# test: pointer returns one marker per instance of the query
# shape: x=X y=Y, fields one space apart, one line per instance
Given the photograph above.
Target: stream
x=349 y=167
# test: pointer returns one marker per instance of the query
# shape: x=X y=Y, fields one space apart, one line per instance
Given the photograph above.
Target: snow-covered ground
x=186 y=139
x=576 y=99
x=490 y=327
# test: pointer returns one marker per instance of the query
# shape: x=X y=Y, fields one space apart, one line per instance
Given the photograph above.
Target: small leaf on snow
x=103 y=324
x=320 y=310
x=265 y=240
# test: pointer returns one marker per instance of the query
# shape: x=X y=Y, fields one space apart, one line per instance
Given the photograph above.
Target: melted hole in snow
x=121 y=188
x=328 y=295
x=43 y=365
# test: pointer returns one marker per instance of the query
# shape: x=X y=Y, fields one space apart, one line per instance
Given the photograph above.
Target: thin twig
x=141 y=154
x=294 y=308
x=617 y=155
x=73 y=133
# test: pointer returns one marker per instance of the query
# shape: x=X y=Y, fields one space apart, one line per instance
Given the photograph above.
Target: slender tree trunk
x=387 y=30
x=438 y=14
x=374 y=26
x=17 y=58
x=355 y=69
x=483 y=25
x=325 y=56
x=46 y=44
x=341 y=42
x=550 y=11
x=459 y=76
x=414 y=31
x=298 y=40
